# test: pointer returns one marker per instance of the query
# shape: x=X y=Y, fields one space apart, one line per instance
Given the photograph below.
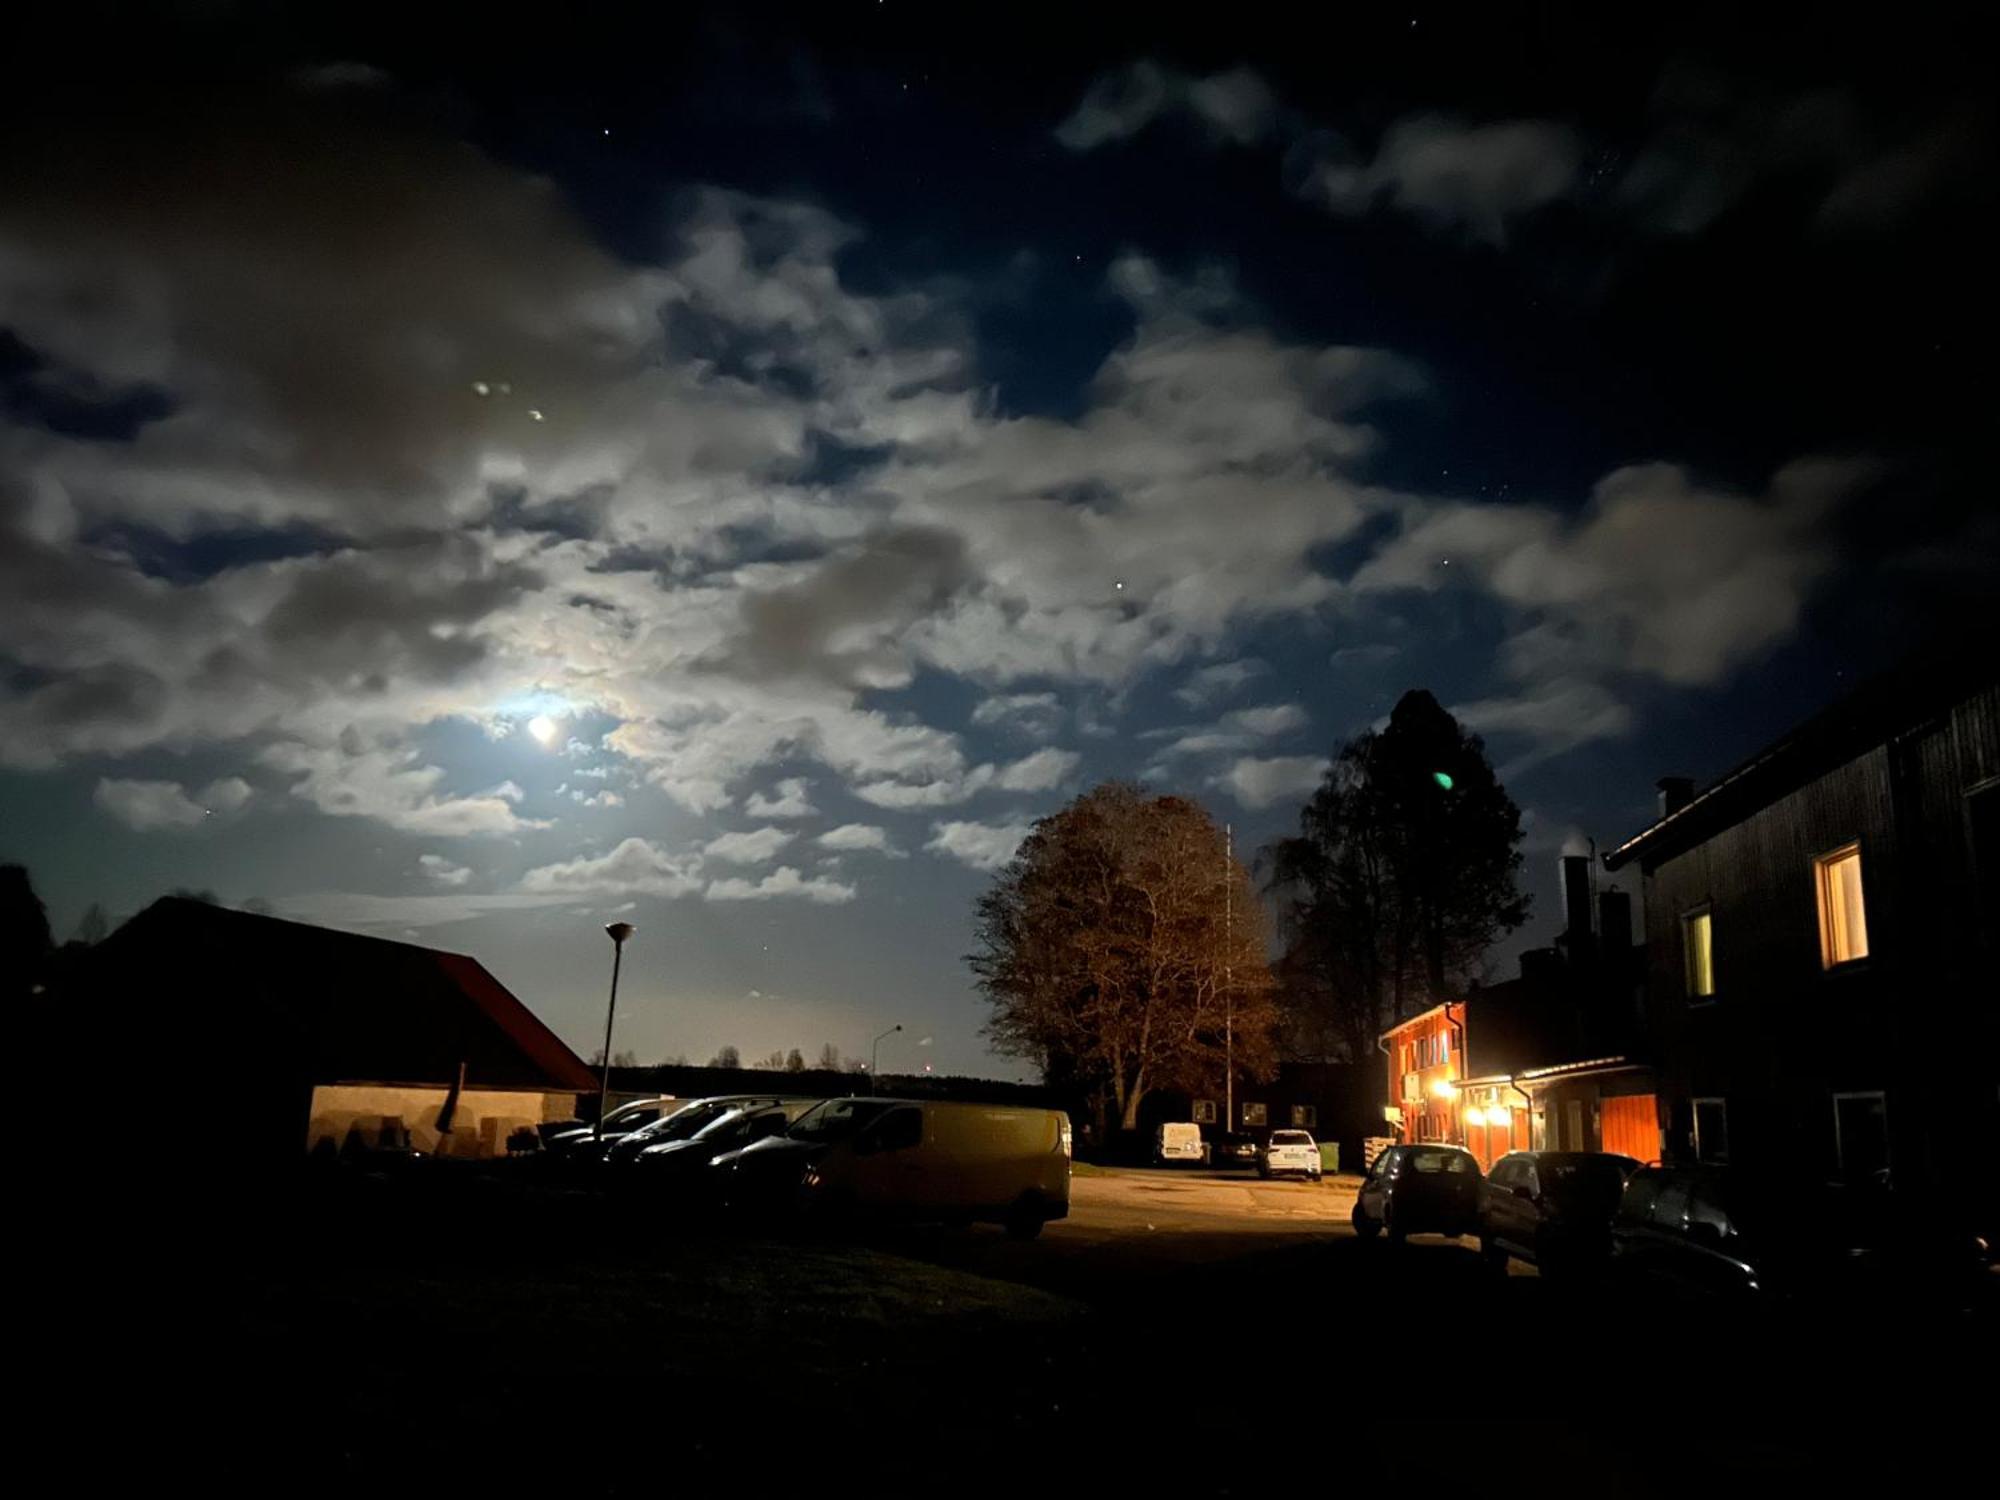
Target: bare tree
x=795 y=1061
x=728 y=1057
x=1124 y=950
x=829 y=1059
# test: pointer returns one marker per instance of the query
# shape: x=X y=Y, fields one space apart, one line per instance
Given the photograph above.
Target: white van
x=915 y=1159
x=1177 y=1140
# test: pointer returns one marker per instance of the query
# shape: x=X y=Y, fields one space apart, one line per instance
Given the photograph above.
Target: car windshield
x=1440 y=1161
x=1582 y=1179
x=632 y=1116
x=722 y=1126
x=687 y=1121
x=1290 y=1138
x=836 y=1119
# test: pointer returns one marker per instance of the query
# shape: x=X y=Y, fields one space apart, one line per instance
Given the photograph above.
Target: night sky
x=467 y=478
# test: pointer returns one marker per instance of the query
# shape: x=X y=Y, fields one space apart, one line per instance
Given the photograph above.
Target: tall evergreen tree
x=1402 y=875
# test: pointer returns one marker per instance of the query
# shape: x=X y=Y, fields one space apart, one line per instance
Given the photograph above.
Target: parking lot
x=1147 y=1335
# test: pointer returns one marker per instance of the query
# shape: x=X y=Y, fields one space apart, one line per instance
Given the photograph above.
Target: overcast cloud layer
x=352 y=481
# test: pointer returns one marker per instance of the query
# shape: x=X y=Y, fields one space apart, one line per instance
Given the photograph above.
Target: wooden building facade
x=1824 y=947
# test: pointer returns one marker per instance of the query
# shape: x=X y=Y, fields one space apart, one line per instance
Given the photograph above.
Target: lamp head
x=619 y=931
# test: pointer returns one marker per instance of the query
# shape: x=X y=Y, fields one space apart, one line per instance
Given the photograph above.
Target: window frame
x=1840 y=1146
x=1721 y=1103
x=1822 y=865
x=1703 y=911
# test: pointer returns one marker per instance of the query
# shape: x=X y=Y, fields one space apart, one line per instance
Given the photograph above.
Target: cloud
x=1221 y=680
x=146 y=806
x=1042 y=771
x=1554 y=716
x=1259 y=781
x=1028 y=713
x=1235 y=107
x=788 y=800
x=858 y=837
x=784 y=882
x=368 y=913
x=637 y=866
x=442 y=870
x=1476 y=179
x=753 y=848
x=1236 y=730
x=389 y=782
x=1659 y=574
x=984 y=846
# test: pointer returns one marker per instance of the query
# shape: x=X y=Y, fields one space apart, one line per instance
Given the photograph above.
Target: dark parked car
x=1235 y=1151
x=1552 y=1208
x=679 y=1125
x=1421 y=1189
x=764 y=1177
x=679 y=1161
x=1709 y=1232
x=581 y=1139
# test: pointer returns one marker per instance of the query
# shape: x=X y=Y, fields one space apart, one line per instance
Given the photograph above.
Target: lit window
x=1843 y=920
x=1698 y=933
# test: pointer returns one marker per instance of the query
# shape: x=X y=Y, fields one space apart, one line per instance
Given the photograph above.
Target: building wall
x=1783 y=1035
x=1423 y=1055
x=379 y=1115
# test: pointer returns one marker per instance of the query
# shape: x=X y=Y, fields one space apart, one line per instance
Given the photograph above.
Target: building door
x=1573 y=1126
x=1630 y=1124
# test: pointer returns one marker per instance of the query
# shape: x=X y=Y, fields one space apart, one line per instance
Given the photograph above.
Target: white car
x=1289 y=1151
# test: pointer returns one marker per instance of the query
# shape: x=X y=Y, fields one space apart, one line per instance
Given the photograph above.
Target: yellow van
x=914 y=1159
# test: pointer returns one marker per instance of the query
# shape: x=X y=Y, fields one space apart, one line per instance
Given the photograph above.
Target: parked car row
x=1695 y=1231
x=831 y=1160
x=1282 y=1153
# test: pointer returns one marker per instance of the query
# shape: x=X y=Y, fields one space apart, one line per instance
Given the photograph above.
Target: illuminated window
x=1698 y=941
x=1843 y=920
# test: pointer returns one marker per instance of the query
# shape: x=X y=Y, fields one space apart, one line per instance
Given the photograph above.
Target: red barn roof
x=209 y=987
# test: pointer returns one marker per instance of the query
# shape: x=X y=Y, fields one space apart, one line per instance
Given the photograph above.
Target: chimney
x=1575 y=876
x=1676 y=792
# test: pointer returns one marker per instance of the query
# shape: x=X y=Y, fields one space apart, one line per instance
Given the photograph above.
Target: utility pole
x=1228 y=977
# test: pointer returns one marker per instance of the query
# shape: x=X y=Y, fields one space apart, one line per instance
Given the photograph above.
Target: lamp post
x=875 y=1049
x=617 y=932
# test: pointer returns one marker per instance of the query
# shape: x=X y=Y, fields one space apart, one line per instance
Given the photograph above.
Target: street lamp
x=617 y=932
x=875 y=1048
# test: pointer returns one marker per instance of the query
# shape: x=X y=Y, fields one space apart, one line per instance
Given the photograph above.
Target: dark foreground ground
x=1176 y=1335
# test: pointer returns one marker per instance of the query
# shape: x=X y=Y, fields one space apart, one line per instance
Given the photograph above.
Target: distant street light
x=875 y=1049
x=617 y=932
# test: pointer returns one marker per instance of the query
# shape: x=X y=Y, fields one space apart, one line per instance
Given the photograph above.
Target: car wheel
x=1025 y=1218
x=1397 y=1233
x=1364 y=1226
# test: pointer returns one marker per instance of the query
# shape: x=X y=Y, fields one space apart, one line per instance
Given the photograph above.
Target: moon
x=543 y=728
